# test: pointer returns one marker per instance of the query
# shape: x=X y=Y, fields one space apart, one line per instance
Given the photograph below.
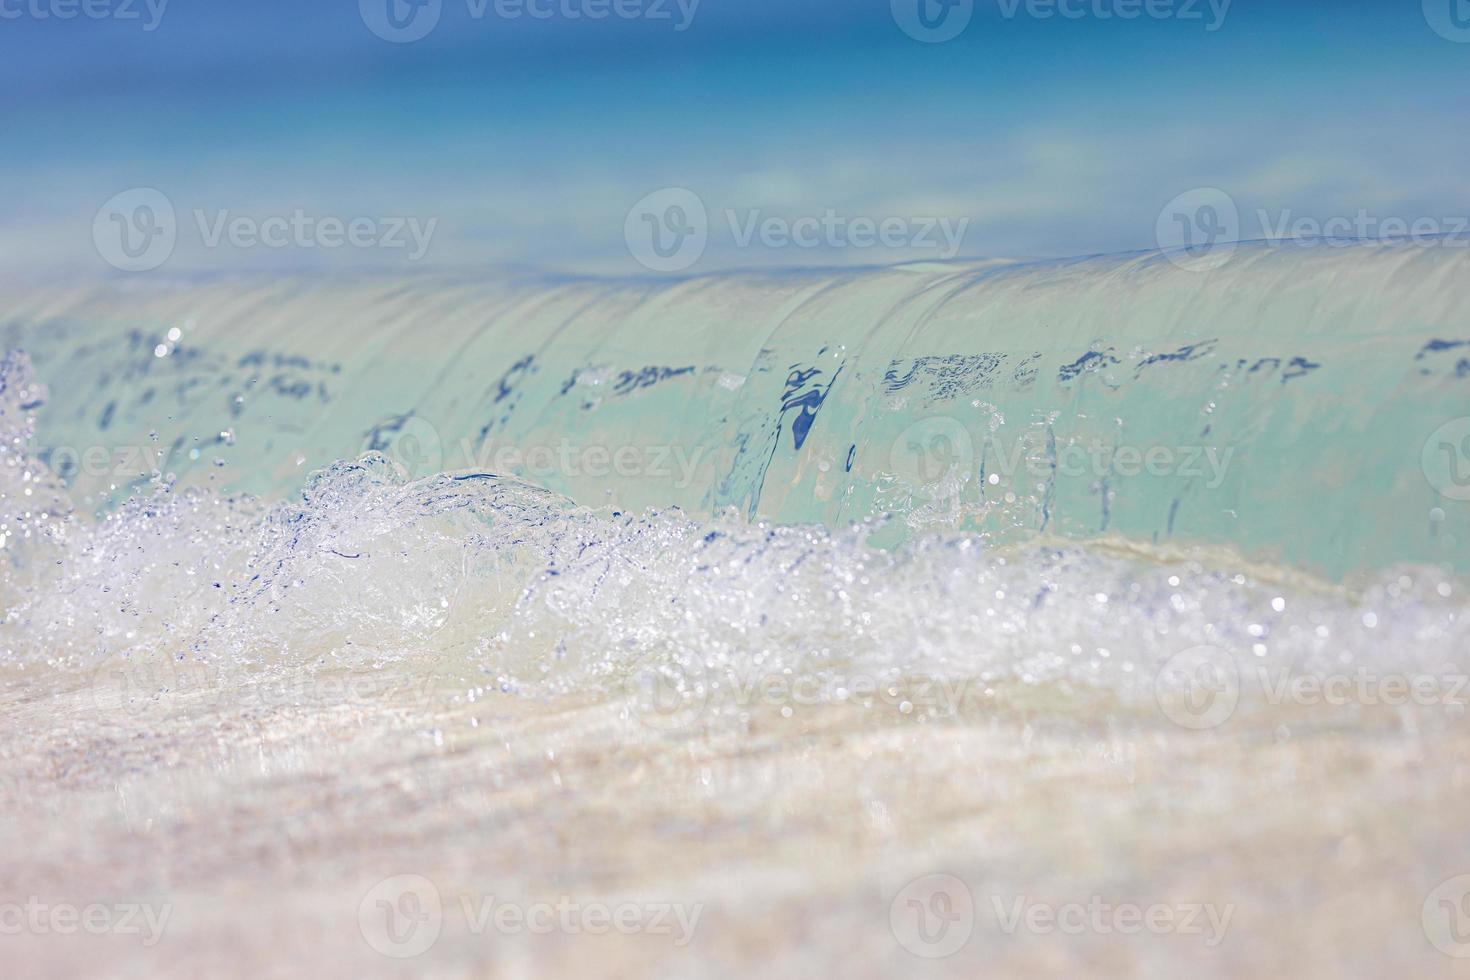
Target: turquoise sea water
x=1302 y=405
x=334 y=606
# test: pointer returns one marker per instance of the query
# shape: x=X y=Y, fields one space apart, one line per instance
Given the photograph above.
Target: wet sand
x=791 y=843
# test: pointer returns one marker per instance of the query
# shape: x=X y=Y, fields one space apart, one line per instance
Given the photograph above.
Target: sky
x=675 y=137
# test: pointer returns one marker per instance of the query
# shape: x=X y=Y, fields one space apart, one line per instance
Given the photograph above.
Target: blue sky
x=526 y=141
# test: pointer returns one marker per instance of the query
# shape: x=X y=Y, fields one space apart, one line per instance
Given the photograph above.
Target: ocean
x=946 y=619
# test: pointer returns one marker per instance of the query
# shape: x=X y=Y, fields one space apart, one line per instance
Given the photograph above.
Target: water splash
x=512 y=589
x=1115 y=396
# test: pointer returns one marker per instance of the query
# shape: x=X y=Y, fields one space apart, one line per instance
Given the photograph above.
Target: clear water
x=279 y=628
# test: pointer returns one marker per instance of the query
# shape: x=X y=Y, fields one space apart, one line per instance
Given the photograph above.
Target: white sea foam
x=860 y=665
x=531 y=595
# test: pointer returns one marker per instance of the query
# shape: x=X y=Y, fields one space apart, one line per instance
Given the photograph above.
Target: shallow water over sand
x=792 y=842
x=453 y=728
x=868 y=707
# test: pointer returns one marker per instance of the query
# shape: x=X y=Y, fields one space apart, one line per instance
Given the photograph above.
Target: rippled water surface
x=369 y=719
